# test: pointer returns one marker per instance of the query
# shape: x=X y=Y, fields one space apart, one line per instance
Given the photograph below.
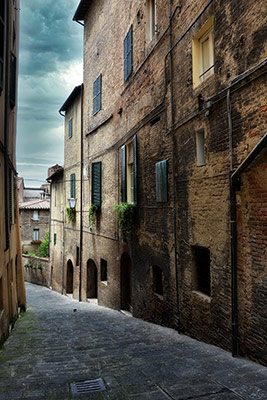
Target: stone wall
x=36 y=270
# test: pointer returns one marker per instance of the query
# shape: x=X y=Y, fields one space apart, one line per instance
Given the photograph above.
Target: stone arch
x=126 y=282
x=69 y=283
x=92 y=287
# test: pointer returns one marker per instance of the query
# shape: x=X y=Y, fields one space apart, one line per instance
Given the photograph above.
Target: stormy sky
x=50 y=66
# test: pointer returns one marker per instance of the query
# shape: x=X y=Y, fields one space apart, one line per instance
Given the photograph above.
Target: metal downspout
x=233 y=233
x=173 y=175
x=81 y=199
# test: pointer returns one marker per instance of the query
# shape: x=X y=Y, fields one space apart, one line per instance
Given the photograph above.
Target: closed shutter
x=12 y=89
x=135 y=169
x=70 y=128
x=97 y=88
x=96 y=183
x=128 y=54
x=123 y=175
x=162 y=181
x=72 y=186
x=55 y=238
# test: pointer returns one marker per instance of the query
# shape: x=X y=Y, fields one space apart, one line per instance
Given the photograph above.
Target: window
x=72 y=186
x=96 y=183
x=203 y=54
x=200 y=147
x=129 y=172
x=70 y=128
x=201 y=258
x=103 y=270
x=128 y=54
x=35 y=234
x=151 y=20
x=162 y=181
x=55 y=239
x=97 y=94
x=2 y=43
x=13 y=72
x=35 y=215
x=157 y=280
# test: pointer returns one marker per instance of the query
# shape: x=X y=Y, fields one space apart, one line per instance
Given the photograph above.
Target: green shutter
x=135 y=169
x=97 y=89
x=96 y=183
x=55 y=238
x=123 y=175
x=128 y=54
x=162 y=181
x=70 y=128
x=12 y=88
x=72 y=186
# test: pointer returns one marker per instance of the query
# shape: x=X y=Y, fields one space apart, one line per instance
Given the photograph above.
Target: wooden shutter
x=123 y=175
x=55 y=238
x=135 y=169
x=128 y=54
x=162 y=181
x=97 y=89
x=70 y=128
x=96 y=183
x=12 y=88
x=72 y=186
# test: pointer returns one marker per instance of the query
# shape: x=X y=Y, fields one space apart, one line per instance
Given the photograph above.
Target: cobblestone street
x=59 y=341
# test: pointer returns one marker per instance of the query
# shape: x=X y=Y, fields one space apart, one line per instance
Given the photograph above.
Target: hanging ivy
x=125 y=215
x=92 y=214
x=70 y=213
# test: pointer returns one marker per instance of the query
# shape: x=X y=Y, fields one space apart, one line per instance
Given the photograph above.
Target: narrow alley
x=59 y=341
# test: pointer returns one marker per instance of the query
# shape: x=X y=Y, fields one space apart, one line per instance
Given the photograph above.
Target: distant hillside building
x=12 y=290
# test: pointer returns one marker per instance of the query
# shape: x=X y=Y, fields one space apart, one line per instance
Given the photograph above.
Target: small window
x=96 y=183
x=35 y=234
x=129 y=172
x=128 y=54
x=72 y=186
x=200 y=147
x=151 y=20
x=203 y=54
x=77 y=255
x=55 y=239
x=35 y=215
x=97 y=94
x=157 y=280
x=13 y=74
x=162 y=181
x=104 y=270
x=201 y=258
x=70 y=128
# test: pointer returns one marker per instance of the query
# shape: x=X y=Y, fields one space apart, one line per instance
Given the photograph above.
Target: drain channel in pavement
x=94 y=385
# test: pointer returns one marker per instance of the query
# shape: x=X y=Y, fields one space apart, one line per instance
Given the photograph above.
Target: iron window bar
x=207 y=70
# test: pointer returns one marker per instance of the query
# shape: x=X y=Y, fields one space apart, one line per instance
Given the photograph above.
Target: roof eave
x=81 y=10
x=71 y=98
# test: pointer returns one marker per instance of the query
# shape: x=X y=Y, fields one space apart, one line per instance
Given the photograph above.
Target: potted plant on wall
x=70 y=211
x=92 y=214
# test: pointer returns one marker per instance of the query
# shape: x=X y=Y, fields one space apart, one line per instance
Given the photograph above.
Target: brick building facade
x=12 y=291
x=174 y=101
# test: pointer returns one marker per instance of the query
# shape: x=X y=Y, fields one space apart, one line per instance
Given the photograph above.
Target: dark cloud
x=50 y=66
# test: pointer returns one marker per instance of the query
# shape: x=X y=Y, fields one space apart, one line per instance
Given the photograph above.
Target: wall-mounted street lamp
x=72 y=202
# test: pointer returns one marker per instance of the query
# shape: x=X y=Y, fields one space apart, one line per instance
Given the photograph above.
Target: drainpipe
x=81 y=198
x=233 y=235
x=173 y=175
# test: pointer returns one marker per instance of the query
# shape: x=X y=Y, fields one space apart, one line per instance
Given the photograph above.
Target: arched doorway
x=69 y=287
x=91 y=280
x=126 y=282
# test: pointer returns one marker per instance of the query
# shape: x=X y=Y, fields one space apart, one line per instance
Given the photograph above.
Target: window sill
x=105 y=283
x=200 y=86
x=35 y=241
x=159 y=296
x=202 y=296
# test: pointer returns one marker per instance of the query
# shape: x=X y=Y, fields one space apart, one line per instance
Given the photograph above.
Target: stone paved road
x=52 y=345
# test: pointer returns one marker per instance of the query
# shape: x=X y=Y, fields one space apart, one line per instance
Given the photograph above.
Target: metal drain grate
x=94 y=385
